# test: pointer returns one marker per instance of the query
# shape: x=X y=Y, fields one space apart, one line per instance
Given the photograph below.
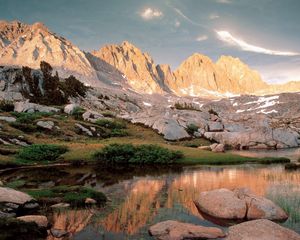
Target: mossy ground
x=83 y=147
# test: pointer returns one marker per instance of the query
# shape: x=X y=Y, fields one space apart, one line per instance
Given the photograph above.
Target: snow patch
x=147 y=104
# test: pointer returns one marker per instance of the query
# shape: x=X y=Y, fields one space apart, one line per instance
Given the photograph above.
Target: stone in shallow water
x=174 y=230
x=261 y=229
x=57 y=233
x=41 y=221
x=240 y=204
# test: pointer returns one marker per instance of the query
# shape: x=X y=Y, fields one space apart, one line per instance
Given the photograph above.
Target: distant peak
x=39 y=25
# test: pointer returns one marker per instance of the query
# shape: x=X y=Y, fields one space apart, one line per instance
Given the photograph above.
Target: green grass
x=287 y=196
x=15 y=184
x=75 y=195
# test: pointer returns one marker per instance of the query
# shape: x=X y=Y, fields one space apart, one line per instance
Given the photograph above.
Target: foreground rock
x=41 y=221
x=240 y=204
x=261 y=230
x=174 y=230
x=8 y=195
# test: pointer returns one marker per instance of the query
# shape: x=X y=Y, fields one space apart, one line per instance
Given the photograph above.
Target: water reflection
x=144 y=197
x=72 y=221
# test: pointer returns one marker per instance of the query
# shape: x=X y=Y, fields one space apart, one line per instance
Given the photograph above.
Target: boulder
x=238 y=204
x=91 y=116
x=259 y=207
x=84 y=129
x=90 y=201
x=69 y=109
x=174 y=230
x=218 y=148
x=61 y=205
x=8 y=195
x=215 y=126
x=8 y=119
x=261 y=229
x=57 y=233
x=221 y=203
x=40 y=220
x=33 y=107
x=45 y=124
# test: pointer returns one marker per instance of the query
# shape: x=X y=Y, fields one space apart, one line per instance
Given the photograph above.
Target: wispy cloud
x=213 y=16
x=225 y=36
x=224 y=1
x=180 y=13
x=150 y=13
x=201 y=38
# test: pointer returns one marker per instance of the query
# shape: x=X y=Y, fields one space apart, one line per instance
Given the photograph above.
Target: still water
x=141 y=197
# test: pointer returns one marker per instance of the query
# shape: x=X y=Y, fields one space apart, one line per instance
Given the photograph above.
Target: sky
x=265 y=34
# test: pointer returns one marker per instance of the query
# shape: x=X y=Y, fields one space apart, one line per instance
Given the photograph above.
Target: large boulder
x=33 y=107
x=221 y=203
x=174 y=230
x=261 y=229
x=239 y=204
x=41 y=221
x=259 y=207
x=8 y=195
x=170 y=129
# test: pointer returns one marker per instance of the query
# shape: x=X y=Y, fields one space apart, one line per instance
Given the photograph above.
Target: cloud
x=224 y=1
x=150 y=13
x=177 y=23
x=201 y=38
x=213 y=16
x=228 y=38
x=178 y=11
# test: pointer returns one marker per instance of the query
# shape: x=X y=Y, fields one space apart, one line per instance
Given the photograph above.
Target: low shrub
x=141 y=154
x=6 y=106
x=111 y=124
x=191 y=128
x=40 y=153
x=24 y=117
x=77 y=113
x=108 y=114
x=119 y=133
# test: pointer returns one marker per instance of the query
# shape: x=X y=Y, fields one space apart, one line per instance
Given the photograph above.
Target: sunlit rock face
x=198 y=74
x=244 y=79
x=138 y=67
x=28 y=45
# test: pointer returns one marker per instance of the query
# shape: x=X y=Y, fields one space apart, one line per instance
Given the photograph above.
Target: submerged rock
x=261 y=229
x=57 y=233
x=175 y=230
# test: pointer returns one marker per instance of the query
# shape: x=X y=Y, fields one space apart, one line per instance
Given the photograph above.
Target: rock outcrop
x=138 y=67
x=27 y=45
